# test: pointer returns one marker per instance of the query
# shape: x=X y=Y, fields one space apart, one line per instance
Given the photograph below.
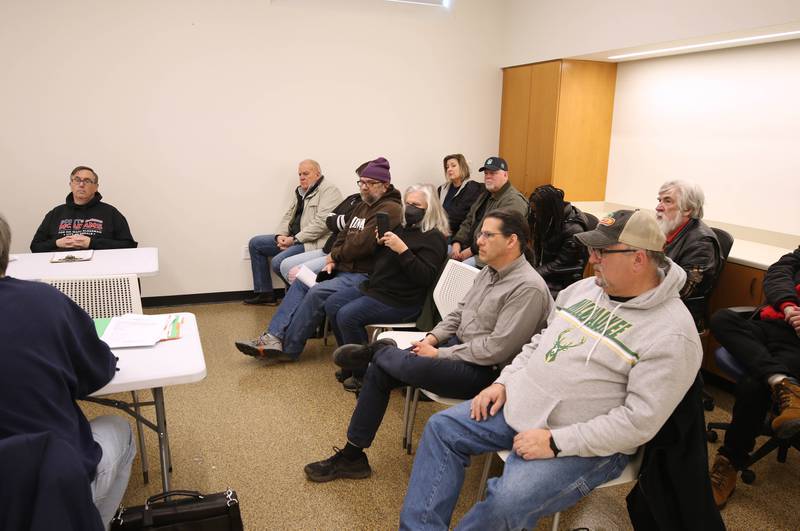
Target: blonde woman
x=459 y=192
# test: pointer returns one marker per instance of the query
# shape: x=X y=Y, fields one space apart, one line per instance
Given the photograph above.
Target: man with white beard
x=690 y=243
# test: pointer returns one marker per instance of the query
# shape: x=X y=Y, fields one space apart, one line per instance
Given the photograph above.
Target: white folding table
x=141 y=261
x=173 y=362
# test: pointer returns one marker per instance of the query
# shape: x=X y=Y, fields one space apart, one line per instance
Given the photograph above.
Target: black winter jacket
x=674 y=489
x=562 y=259
x=104 y=224
x=781 y=280
x=697 y=250
x=462 y=201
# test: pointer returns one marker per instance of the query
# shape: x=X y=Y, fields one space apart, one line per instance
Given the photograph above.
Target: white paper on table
x=72 y=256
x=306 y=276
x=133 y=330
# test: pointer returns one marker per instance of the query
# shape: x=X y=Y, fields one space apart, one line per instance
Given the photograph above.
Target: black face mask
x=414 y=215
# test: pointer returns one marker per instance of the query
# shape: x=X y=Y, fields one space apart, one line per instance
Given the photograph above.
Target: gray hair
x=690 y=196
x=658 y=258
x=5 y=244
x=314 y=164
x=79 y=168
x=435 y=216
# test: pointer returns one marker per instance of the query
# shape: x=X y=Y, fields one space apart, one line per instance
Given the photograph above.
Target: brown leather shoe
x=786 y=394
x=723 y=480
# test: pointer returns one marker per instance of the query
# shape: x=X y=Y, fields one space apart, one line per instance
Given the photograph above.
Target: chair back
x=455 y=281
x=102 y=297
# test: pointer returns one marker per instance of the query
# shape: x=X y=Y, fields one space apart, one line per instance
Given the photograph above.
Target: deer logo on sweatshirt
x=561 y=345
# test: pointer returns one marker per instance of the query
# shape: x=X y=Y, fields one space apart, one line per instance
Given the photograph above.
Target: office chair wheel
x=708 y=404
x=711 y=436
x=748 y=476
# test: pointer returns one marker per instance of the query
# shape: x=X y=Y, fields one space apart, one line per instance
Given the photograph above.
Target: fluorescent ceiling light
x=437 y=3
x=706 y=44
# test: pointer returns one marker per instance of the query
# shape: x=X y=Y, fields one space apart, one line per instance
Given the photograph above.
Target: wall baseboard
x=201 y=298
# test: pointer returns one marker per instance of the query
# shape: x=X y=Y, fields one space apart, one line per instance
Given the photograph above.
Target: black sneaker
x=338 y=467
x=262 y=298
x=353 y=384
x=358 y=356
x=342 y=375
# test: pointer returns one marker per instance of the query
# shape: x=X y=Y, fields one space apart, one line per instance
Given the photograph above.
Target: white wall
x=195 y=113
x=540 y=30
x=727 y=119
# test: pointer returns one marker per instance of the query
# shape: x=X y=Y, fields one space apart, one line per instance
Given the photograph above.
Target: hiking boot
x=337 y=467
x=786 y=394
x=266 y=346
x=353 y=384
x=358 y=356
x=262 y=298
x=342 y=375
x=723 y=480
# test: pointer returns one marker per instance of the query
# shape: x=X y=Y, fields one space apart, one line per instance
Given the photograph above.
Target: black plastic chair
x=734 y=369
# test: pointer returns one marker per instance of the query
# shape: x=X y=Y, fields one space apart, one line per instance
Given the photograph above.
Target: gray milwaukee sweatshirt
x=604 y=376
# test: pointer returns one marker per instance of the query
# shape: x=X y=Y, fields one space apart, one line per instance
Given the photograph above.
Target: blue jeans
x=302 y=309
x=314 y=260
x=262 y=248
x=114 y=436
x=527 y=490
x=349 y=311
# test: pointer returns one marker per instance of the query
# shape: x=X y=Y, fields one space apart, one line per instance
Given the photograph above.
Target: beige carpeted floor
x=253 y=426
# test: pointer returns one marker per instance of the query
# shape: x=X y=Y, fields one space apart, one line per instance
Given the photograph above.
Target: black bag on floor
x=198 y=512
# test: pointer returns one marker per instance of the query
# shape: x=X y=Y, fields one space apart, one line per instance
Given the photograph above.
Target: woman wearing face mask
x=406 y=266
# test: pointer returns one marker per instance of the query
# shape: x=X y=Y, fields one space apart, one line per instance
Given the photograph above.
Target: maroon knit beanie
x=378 y=170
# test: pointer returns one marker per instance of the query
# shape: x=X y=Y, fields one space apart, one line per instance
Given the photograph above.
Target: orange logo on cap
x=607 y=221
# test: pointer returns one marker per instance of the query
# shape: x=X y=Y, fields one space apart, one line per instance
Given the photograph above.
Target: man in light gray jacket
x=302 y=228
x=619 y=352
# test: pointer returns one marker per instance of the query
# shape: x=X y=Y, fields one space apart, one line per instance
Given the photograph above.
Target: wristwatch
x=553 y=446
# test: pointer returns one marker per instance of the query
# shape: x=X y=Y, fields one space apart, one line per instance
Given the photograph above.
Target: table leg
x=163 y=441
x=140 y=431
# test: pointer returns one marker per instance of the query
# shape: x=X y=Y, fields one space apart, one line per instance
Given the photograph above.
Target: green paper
x=101 y=325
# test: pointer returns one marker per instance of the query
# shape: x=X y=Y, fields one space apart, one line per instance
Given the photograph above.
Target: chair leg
x=556 y=520
x=406 y=413
x=411 y=416
x=140 y=432
x=484 y=477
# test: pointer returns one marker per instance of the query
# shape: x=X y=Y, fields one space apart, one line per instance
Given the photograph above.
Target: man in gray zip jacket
x=619 y=353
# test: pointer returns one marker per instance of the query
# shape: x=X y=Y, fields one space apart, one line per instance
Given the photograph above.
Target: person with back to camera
x=557 y=255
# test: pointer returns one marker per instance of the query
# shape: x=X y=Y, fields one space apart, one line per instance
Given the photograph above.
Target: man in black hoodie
x=83 y=221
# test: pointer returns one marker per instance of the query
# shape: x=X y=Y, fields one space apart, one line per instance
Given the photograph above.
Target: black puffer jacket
x=781 y=280
x=562 y=259
x=339 y=218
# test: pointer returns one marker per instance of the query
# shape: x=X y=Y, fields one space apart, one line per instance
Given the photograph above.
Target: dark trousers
x=763 y=348
x=392 y=367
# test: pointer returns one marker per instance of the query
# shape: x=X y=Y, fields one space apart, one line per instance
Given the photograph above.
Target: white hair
x=690 y=196
x=435 y=216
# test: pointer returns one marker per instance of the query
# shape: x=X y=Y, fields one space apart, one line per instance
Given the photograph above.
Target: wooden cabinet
x=738 y=285
x=555 y=126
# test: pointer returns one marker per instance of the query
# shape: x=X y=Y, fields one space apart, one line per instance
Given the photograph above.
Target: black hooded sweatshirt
x=104 y=224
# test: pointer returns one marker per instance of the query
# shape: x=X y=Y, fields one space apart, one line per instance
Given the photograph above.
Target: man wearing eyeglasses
x=84 y=221
x=349 y=262
x=619 y=353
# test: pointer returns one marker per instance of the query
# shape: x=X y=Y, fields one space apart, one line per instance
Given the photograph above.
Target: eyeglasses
x=78 y=180
x=361 y=183
x=486 y=234
x=600 y=252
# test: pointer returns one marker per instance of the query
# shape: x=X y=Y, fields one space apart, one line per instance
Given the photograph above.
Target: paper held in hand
x=306 y=276
x=72 y=256
x=134 y=330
